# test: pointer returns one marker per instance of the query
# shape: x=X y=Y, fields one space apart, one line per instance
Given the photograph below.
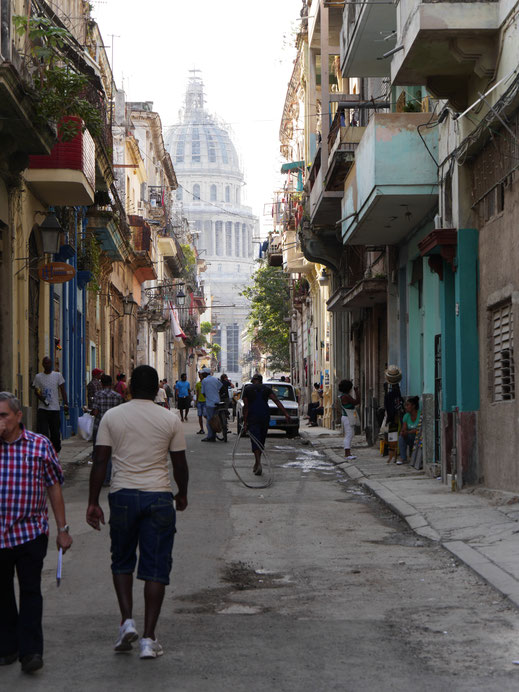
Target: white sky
x=245 y=51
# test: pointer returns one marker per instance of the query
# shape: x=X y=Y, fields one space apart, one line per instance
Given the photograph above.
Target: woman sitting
x=409 y=426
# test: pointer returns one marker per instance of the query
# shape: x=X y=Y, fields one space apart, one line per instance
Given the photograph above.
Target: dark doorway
x=437 y=396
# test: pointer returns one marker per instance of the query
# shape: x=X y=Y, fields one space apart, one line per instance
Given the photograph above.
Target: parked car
x=286 y=393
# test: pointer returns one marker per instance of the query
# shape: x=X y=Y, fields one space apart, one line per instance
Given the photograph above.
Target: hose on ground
x=270 y=474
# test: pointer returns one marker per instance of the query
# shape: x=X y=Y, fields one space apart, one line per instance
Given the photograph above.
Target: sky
x=245 y=52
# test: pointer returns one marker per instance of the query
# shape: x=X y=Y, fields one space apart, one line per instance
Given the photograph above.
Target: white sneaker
x=150 y=648
x=351 y=457
x=127 y=635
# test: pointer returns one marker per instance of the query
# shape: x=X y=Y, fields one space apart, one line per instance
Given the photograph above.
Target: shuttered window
x=503 y=353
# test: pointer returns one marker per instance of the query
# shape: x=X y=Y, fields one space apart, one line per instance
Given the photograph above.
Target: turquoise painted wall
x=467 y=343
x=448 y=323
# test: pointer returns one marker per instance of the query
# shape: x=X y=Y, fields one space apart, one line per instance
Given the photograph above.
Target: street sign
x=56 y=272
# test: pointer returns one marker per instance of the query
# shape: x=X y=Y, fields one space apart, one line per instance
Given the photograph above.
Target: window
x=237 y=195
x=228 y=238
x=232 y=347
x=180 y=150
x=502 y=332
x=179 y=194
x=238 y=268
x=213 y=193
x=218 y=238
x=227 y=193
x=211 y=149
x=195 y=145
x=196 y=192
x=219 y=268
x=237 y=239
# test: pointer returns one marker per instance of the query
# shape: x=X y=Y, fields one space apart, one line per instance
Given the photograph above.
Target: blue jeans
x=209 y=413
x=404 y=443
x=146 y=519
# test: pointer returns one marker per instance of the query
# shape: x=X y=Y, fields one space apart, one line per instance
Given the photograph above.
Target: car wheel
x=293 y=432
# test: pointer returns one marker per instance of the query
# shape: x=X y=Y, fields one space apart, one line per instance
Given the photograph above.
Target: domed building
x=210 y=191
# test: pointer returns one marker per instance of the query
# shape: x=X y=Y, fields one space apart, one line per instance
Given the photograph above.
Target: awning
x=293 y=166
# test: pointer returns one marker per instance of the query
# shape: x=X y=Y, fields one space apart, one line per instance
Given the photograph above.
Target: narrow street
x=308 y=585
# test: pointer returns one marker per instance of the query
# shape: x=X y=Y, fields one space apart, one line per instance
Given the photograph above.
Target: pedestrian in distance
x=315 y=407
x=94 y=386
x=169 y=393
x=48 y=385
x=161 y=399
x=393 y=404
x=409 y=426
x=139 y=436
x=348 y=414
x=121 y=387
x=183 y=389
x=211 y=390
x=256 y=416
x=29 y=473
x=200 y=403
x=104 y=400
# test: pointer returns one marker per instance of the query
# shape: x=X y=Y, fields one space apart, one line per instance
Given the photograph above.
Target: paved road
x=309 y=585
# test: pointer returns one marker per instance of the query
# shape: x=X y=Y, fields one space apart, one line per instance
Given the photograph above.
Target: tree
x=269 y=296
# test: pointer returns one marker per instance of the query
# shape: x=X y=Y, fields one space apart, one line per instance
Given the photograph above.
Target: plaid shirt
x=28 y=466
x=103 y=402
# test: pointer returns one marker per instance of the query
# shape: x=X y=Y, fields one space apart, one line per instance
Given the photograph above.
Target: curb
x=492 y=574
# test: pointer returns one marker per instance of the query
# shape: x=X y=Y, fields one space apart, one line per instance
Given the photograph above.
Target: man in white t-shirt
x=139 y=435
x=48 y=385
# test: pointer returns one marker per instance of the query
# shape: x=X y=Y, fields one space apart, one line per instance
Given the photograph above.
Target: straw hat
x=393 y=374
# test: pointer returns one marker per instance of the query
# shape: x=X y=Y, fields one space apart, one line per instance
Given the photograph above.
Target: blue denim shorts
x=147 y=520
x=201 y=408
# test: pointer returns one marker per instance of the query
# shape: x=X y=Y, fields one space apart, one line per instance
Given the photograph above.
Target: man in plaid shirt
x=29 y=471
x=104 y=400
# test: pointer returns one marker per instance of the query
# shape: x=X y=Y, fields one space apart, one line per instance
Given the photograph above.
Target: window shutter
x=503 y=353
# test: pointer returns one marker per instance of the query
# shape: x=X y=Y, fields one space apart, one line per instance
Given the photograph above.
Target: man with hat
x=94 y=386
x=394 y=409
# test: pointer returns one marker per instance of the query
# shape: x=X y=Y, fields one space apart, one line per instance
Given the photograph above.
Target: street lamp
x=181 y=297
x=128 y=304
x=50 y=232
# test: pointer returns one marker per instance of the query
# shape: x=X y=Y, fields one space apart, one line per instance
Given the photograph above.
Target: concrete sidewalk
x=478 y=526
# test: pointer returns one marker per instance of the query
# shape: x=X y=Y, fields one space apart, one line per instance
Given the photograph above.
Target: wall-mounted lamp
x=129 y=305
x=181 y=297
x=50 y=233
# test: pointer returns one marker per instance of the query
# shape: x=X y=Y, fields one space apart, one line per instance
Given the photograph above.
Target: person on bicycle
x=256 y=416
x=225 y=393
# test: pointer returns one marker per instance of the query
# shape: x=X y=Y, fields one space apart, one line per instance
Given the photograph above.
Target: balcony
x=445 y=45
x=142 y=263
x=362 y=44
x=366 y=293
x=325 y=206
x=102 y=222
x=342 y=143
x=67 y=176
x=274 y=250
x=294 y=261
x=169 y=247
x=394 y=182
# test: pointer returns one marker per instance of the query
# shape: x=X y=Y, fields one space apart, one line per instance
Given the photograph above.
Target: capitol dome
x=209 y=195
x=198 y=142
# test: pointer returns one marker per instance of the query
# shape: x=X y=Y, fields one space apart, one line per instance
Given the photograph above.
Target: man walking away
x=48 y=385
x=29 y=469
x=139 y=436
x=104 y=400
x=200 y=403
x=211 y=390
x=256 y=415
x=183 y=389
x=94 y=386
x=169 y=393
